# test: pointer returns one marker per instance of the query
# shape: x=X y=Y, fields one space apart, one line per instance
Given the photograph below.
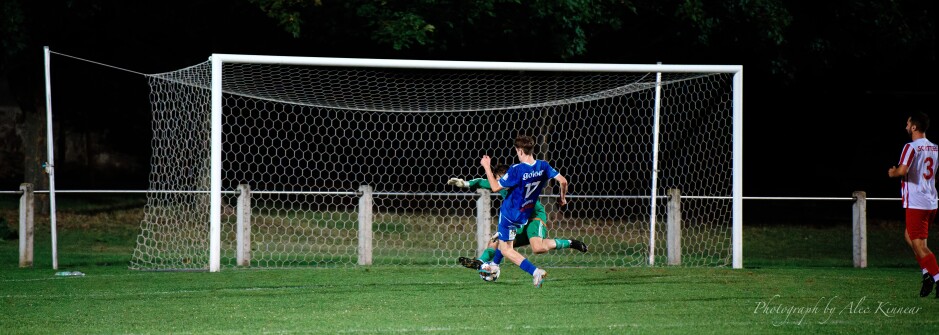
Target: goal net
x=329 y=162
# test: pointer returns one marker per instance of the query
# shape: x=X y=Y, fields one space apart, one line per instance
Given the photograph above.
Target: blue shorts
x=508 y=228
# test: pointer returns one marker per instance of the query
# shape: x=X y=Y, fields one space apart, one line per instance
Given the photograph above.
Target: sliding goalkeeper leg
x=535 y=234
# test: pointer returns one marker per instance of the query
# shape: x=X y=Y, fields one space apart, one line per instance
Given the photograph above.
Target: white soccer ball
x=489 y=272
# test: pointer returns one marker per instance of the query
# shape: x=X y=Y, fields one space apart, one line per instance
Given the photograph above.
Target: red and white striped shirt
x=918 y=187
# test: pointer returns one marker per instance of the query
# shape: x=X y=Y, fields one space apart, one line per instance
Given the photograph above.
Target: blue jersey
x=526 y=182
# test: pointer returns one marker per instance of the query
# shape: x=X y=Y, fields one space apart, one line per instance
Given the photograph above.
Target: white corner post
x=483 y=220
x=50 y=162
x=243 y=233
x=674 y=226
x=27 y=213
x=655 y=164
x=859 y=225
x=365 y=225
x=215 y=185
x=737 y=240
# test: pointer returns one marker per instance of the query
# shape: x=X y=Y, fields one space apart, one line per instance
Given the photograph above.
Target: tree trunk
x=33 y=136
x=27 y=85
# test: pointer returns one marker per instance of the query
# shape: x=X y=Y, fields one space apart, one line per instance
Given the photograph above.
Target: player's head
x=525 y=143
x=500 y=170
x=918 y=121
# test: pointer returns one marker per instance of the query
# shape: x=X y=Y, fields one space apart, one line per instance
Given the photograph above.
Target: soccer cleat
x=538 y=277
x=575 y=244
x=470 y=263
x=928 y=283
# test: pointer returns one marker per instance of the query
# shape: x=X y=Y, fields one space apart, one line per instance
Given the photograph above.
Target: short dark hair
x=526 y=143
x=500 y=169
x=920 y=120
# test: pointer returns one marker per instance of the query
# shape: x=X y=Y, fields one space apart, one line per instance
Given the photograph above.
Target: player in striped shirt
x=534 y=233
x=917 y=172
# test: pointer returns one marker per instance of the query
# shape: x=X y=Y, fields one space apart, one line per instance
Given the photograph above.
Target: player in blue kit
x=525 y=180
x=533 y=234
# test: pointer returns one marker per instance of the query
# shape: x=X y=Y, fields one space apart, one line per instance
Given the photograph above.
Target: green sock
x=486 y=257
x=561 y=244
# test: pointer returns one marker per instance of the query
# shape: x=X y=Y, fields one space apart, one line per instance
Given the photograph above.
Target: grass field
x=798 y=279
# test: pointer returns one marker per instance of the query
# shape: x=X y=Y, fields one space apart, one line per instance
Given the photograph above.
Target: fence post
x=673 y=235
x=243 y=231
x=365 y=225
x=27 y=213
x=859 y=222
x=483 y=220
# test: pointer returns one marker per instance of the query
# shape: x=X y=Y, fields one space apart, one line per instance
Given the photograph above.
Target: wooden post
x=27 y=213
x=365 y=225
x=859 y=223
x=673 y=236
x=483 y=220
x=243 y=232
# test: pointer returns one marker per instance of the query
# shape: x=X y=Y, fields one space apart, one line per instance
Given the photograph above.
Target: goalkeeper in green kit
x=533 y=233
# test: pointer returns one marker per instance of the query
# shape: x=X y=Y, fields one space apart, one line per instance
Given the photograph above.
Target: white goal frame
x=217 y=60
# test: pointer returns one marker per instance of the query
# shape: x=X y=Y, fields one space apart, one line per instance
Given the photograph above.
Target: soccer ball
x=489 y=272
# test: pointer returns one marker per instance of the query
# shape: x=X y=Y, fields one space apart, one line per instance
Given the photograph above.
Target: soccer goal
x=270 y=161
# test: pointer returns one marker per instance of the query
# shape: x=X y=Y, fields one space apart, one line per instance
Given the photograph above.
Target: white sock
x=925 y=272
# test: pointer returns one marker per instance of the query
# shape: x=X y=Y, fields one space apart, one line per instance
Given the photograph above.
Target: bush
x=6 y=231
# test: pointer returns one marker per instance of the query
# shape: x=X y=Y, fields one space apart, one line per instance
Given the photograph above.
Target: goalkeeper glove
x=458 y=182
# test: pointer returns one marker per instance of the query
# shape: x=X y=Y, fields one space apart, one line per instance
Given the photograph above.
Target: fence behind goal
x=278 y=155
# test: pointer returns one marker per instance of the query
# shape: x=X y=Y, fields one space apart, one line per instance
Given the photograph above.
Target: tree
x=24 y=24
x=788 y=39
x=127 y=34
x=485 y=29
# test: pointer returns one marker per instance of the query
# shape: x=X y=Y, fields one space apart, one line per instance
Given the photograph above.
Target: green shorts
x=535 y=227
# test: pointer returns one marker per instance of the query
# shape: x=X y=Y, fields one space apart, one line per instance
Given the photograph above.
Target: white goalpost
x=273 y=161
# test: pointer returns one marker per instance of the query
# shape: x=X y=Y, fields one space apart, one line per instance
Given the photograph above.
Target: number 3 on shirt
x=929 y=170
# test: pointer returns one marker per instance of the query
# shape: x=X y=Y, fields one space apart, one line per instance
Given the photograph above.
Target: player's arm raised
x=485 y=161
